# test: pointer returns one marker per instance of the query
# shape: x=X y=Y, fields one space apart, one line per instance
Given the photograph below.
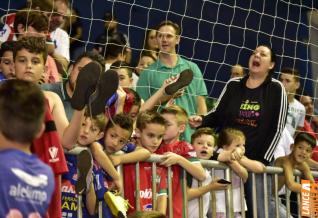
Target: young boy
x=29 y=58
x=92 y=130
x=301 y=153
x=124 y=73
x=27 y=183
x=203 y=141
x=6 y=60
x=178 y=154
x=150 y=129
x=296 y=111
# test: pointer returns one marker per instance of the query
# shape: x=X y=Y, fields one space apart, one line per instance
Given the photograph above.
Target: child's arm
x=195 y=169
x=162 y=204
x=305 y=170
x=239 y=169
x=91 y=200
x=252 y=165
x=107 y=165
x=140 y=154
x=289 y=176
x=312 y=163
x=197 y=192
x=236 y=154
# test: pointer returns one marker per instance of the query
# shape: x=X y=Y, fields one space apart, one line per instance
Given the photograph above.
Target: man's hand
x=195 y=121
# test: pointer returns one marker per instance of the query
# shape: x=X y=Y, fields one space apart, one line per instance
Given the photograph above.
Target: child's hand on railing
x=169 y=159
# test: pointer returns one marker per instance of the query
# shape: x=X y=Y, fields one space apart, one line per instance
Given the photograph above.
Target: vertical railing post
x=137 y=189
x=170 y=203
x=154 y=185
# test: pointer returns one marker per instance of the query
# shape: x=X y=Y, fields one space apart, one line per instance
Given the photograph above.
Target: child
x=27 y=183
x=90 y=175
x=178 y=154
x=229 y=139
x=29 y=59
x=203 y=141
x=6 y=60
x=150 y=129
x=124 y=73
x=301 y=153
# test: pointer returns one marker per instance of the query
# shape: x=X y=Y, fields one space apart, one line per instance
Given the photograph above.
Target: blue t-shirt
x=26 y=186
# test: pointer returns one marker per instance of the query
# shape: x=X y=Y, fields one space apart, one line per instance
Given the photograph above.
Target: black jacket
x=261 y=139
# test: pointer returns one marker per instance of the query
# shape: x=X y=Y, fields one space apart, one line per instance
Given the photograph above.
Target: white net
x=215 y=34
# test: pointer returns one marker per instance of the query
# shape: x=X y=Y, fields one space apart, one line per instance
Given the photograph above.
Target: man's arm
x=201 y=105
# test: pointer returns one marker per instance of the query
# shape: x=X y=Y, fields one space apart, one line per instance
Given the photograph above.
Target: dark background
x=215 y=34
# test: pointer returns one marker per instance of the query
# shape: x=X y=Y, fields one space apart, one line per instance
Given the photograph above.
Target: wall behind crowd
x=215 y=34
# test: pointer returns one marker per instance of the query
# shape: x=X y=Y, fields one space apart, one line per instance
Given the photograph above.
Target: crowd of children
x=61 y=144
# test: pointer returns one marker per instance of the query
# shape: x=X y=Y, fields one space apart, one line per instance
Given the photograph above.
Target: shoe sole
x=89 y=74
x=106 y=87
x=84 y=164
x=184 y=79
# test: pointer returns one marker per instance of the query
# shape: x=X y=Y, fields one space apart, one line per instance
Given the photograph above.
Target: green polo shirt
x=152 y=78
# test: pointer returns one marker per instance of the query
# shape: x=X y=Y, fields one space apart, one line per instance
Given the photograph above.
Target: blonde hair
x=227 y=135
x=180 y=113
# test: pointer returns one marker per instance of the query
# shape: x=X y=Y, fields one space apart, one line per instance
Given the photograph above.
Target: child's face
x=289 y=82
x=302 y=151
x=124 y=79
x=115 y=139
x=151 y=136
x=204 y=145
x=173 y=129
x=7 y=65
x=133 y=113
x=89 y=132
x=237 y=142
x=29 y=66
x=144 y=62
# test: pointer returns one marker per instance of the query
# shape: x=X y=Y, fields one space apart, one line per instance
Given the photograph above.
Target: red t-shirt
x=49 y=149
x=187 y=151
x=145 y=184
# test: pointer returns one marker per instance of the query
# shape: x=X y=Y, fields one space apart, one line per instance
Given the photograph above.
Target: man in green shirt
x=169 y=64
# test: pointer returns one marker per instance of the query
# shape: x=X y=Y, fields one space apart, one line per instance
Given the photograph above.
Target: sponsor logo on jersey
x=33 y=180
x=147 y=207
x=27 y=193
x=146 y=194
x=53 y=154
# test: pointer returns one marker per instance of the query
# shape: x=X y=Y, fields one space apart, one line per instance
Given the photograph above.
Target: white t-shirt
x=62 y=42
x=193 y=205
x=283 y=147
x=295 y=117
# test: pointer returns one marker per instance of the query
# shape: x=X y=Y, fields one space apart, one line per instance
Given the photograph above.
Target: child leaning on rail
x=150 y=129
x=297 y=159
x=85 y=175
x=179 y=155
x=203 y=141
x=229 y=139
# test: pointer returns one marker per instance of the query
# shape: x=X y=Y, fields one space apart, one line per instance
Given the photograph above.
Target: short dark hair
x=175 y=26
x=22 y=106
x=273 y=59
x=7 y=46
x=94 y=56
x=122 y=65
x=149 y=117
x=122 y=120
x=292 y=71
x=32 y=44
x=306 y=137
x=203 y=131
x=31 y=18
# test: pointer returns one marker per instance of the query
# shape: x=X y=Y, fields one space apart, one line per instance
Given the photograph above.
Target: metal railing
x=215 y=165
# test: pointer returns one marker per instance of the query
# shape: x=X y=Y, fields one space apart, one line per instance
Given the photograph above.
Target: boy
x=203 y=141
x=150 y=129
x=124 y=73
x=178 y=154
x=301 y=153
x=26 y=182
x=92 y=130
x=6 y=60
x=29 y=57
x=296 y=111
